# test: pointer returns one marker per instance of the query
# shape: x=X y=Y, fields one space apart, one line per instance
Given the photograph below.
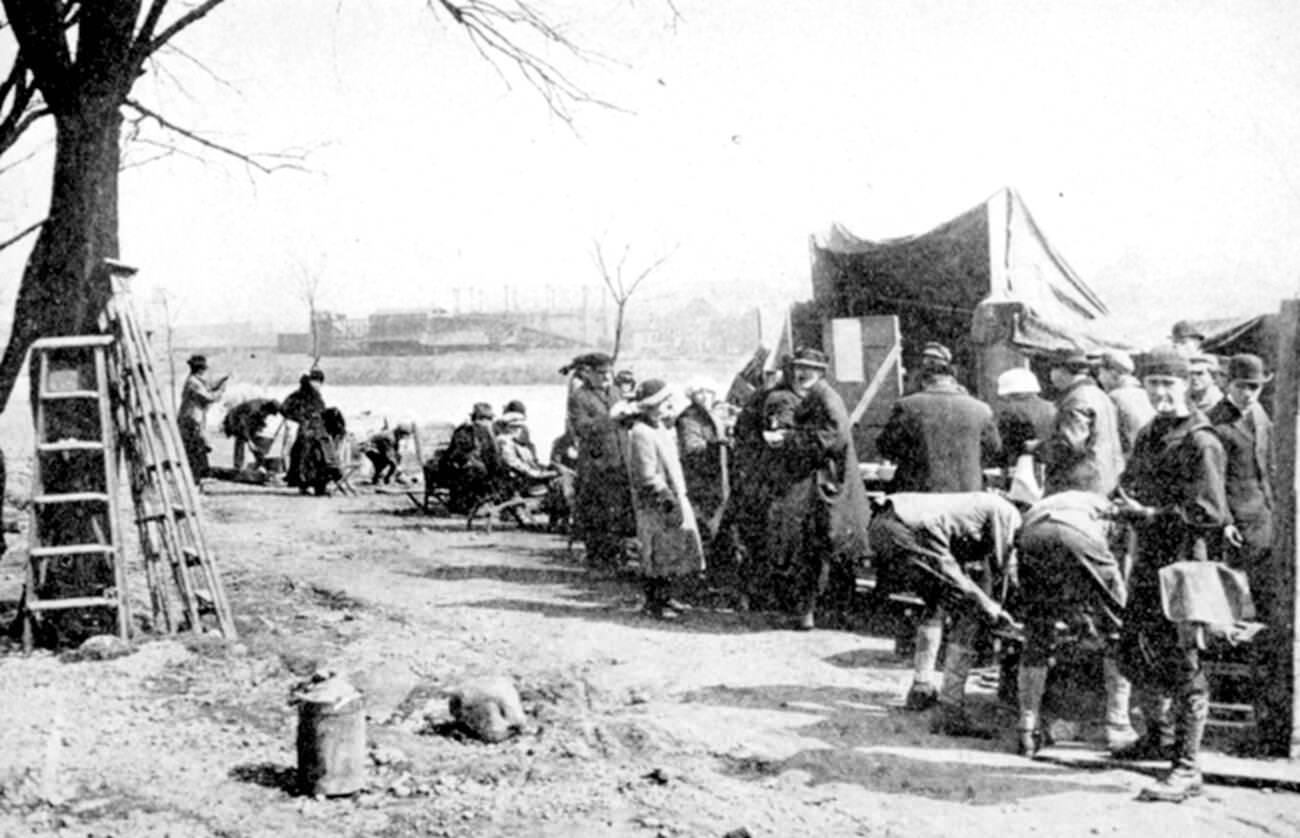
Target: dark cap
x=197 y=362
x=806 y=356
x=1165 y=361
x=317 y=374
x=624 y=377
x=1184 y=329
x=481 y=410
x=1074 y=360
x=591 y=360
x=1248 y=369
x=514 y=406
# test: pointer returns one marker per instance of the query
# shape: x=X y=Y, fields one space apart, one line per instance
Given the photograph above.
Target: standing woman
x=196 y=396
x=1173 y=490
x=665 y=523
x=304 y=406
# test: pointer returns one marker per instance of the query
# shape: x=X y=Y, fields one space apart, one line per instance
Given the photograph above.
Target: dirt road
x=717 y=723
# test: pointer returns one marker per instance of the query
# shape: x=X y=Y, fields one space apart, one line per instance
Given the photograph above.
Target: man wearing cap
x=1247 y=436
x=1132 y=407
x=822 y=533
x=1173 y=491
x=1186 y=338
x=1201 y=389
x=471 y=463
x=666 y=528
x=384 y=451
x=1022 y=415
x=196 y=396
x=941 y=438
x=1083 y=451
x=603 y=503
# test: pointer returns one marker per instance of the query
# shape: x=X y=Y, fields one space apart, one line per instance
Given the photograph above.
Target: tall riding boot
x=929 y=636
x=1031 y=683
x=1158 y=738
x=952 y=719
x=1119 y=728
x=1192 y=710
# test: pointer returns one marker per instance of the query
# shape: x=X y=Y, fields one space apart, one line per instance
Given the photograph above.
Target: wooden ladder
x=75 y=517
x=163 y=489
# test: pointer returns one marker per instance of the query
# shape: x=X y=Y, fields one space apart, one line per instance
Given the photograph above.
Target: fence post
x=1280 y=733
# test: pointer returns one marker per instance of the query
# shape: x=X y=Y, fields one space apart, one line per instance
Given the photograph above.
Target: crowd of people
x=1120 y=493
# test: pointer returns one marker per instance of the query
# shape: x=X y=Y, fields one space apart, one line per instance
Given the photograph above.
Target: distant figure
x=518 y=458
x=941 y=437
x=603 y=505
x=1201 y=389
x=521 y=433
x=384 y=451
x=306 y=407
x=471 y=462
x=196 y=396
x=699 y=437
x=1022 y=415
x=1132 y=406
x=625 y=383
x=1186 y=339
x=246 y=424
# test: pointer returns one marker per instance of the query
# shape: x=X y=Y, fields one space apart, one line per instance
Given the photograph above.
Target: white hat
x=1017 y=381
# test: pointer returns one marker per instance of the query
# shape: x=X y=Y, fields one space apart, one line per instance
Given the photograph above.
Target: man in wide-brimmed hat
x=820 y=520
x=196 y=396
x=1083 y=453
x=1173 y=491
x=941 y=437
x=1247 y=436
x=602 y=503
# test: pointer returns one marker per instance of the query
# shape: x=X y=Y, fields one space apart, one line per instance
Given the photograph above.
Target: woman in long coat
x=665 y=523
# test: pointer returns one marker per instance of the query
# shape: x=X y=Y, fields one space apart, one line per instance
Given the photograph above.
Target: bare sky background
x=1157 y=144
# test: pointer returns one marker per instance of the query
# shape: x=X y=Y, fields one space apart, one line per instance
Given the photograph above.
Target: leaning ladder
x=163 y=490
x=74 y=513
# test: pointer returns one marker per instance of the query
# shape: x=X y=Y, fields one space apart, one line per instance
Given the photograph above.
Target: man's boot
x=1119 y=728
x=1031 y=683
x=923 y=695
x=1184 y=777
x=952 y=719
x=1157 y=740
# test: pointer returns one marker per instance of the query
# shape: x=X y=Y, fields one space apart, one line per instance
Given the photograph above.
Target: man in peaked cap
x=603 y=514
x=1132 y=407
x=1186 y=338
x=1083 y=452
x=196 y=396
x=941 y=437
x=1172 y=491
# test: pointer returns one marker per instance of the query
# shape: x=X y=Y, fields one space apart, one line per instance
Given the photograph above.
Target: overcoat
x=603 y=506
x=1022 y=418
x=1084 y=452
x=941 y=438
x=1248 y=448
x=666 y=529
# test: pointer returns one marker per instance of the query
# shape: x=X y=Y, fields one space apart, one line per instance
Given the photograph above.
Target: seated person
x=470 y=463
x=384 y=451
x=246 y=423
x=518 y=459
x=525 y=438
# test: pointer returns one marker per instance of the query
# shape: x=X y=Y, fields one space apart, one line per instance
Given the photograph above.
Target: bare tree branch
x=145 y=47
x=618 y=289
x=246 y=158
x=19 y=236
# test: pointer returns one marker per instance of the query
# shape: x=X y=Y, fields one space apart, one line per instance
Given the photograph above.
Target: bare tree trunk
x=63 y=291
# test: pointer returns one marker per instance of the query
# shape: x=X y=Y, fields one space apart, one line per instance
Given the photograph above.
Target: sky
x=1156 y=143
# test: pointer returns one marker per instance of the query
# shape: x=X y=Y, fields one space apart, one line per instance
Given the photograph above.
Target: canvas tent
x=987 y=283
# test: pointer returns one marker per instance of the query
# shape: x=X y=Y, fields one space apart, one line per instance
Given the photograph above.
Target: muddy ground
x=720 y=722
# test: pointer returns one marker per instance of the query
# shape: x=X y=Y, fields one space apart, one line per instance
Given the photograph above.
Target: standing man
x=1247 y=436
x=196 y=396
x=954 y=552
x=603 y=502
x=1083 y=452
x=1186 y=339
x=1172 y=489
x=1132 y=407
x=1023 y=416
x=823 y=533
x=941 y=437
x=1204 y=393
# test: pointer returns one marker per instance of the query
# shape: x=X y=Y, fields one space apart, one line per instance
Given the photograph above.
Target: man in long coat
x=666 y=527
x=941 y=438
x=1174 y=493
x=1132 y=407
x=824 y=529
x=1083 y=452
x=603 y=503
x=192 y=416
x=1247 y=436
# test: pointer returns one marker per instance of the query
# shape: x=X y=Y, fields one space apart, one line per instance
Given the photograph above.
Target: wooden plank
x=1280 y=731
